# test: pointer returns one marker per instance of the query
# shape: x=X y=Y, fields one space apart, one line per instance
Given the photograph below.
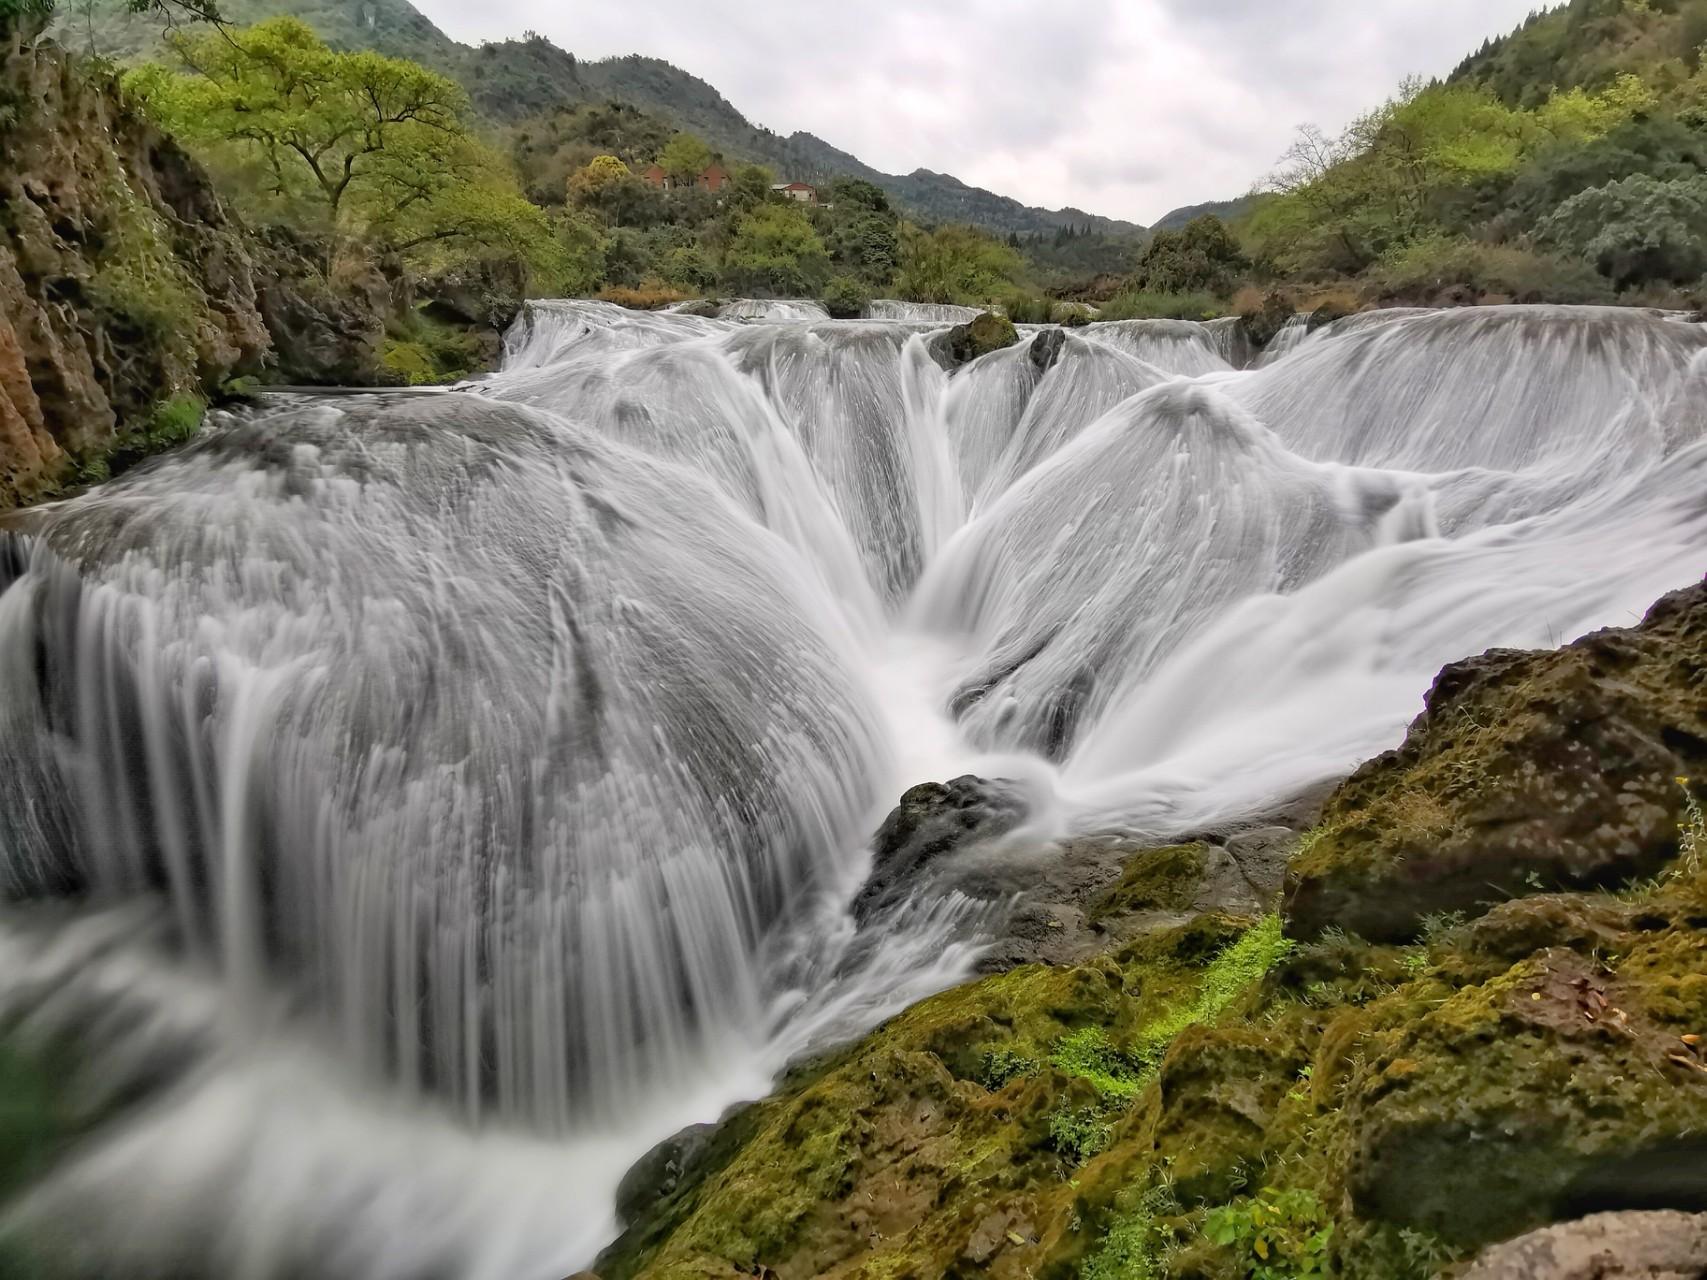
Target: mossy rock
x=1157 y=880
x=1476 y=1120
x=1527 y=772
x=979 y=336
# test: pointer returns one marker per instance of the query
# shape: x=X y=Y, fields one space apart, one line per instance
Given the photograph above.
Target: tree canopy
x=955 y=264
x=380 y=146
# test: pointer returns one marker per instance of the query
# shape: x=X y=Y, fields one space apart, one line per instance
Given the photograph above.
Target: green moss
x=167 y=424
x=421 y=351
x=1155 y=880
x=408 y=362
x=138 y=283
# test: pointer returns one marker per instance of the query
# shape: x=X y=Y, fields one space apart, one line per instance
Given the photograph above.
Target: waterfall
x=427 y=802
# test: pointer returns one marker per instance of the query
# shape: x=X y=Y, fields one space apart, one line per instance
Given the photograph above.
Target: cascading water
x=422 y=804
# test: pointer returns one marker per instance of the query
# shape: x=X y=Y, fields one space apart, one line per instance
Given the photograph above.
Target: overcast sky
x=1127 y=108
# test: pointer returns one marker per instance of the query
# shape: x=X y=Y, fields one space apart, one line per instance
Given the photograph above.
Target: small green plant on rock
x=999 y=1066
x=1136 y=1243
x=1277 y=1234
x=1078 y=1133
x=1691 y=831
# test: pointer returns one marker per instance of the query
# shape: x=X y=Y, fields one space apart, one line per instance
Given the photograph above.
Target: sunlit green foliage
x=684 y=157
x=1277 y=1234
x=378 y=147
x=776 y=253
x=955 y=264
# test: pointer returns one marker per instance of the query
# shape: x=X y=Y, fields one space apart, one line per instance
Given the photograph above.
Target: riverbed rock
x=1526 y=772
x=1606 y=1246
x=977 y=337
x=933 y=820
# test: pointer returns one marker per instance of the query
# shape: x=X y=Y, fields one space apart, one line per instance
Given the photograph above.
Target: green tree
x=684 y=158
x=1201 y=256
x=597 y=176
x=380 y=146
x=955 y=264
x=1635 y=230
x=346 y=125
x=1345 y=200
x=605 y=186
x=776 y=252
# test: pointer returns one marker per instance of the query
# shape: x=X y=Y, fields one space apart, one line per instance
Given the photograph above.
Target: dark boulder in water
x=979 y=336
x=933 y=820
x=1046 y=347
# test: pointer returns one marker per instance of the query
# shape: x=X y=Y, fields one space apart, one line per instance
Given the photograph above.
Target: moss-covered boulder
x=979 y=336
x=1527 y=771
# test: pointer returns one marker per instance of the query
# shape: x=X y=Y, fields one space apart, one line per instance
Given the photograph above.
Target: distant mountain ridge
x=512 y=80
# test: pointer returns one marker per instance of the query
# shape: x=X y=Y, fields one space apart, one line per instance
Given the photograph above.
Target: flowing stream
x=415 y=806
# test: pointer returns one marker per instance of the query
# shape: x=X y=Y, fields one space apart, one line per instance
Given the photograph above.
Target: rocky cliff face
x=123 y=283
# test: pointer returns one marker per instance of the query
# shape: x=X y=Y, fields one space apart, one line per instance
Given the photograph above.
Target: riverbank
x=1229 y=1093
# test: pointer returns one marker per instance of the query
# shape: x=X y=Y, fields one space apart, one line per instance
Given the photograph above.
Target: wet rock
x=1270 y=318
x=933 y=820
x=977 y=337
x=1326 y=314
x=709 y=308
x=1046 y=348
x=1527 y=772
x=661 y=1171
x=1653 y=1246
x=485 y=294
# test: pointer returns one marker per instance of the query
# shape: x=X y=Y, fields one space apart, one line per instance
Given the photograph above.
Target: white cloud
x=1123 y=107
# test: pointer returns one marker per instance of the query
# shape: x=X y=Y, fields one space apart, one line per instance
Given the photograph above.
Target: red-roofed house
x=714 y=178
x=797 y=191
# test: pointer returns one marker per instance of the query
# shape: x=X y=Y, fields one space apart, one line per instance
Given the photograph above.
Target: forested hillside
x=513 y=80
x=1565 y=162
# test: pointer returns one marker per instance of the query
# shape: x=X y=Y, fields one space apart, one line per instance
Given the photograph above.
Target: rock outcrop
x=123 y=283
x=1526 y=771
x=979 y=336
x=1197 y=1095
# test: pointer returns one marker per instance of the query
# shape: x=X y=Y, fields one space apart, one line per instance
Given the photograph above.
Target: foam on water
x=416 y=807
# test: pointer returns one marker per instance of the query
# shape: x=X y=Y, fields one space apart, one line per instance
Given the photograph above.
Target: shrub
x=1426 y=268
x=1635 y=230
x=687 y=267
x=652 y=295
x=846 y=298
x=1138 y=305
x=1025 y=308
x=1274 y=1235
x=1201 y=257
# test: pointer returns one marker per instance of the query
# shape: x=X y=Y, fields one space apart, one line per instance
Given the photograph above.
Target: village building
x=800 y=191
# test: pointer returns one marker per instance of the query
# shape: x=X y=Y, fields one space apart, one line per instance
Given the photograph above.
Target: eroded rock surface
x=1649 y=1246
